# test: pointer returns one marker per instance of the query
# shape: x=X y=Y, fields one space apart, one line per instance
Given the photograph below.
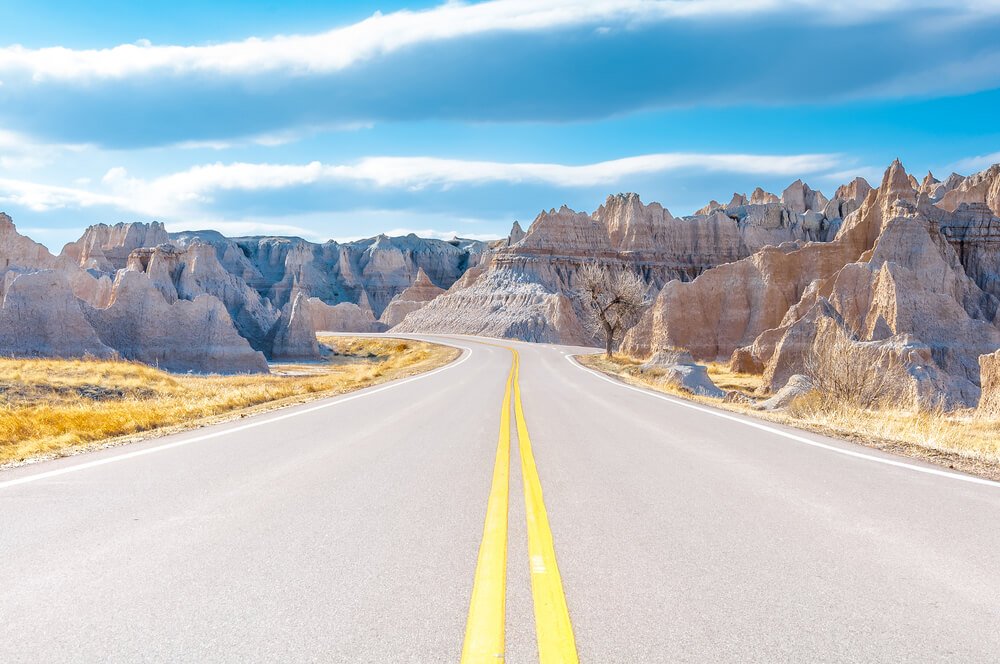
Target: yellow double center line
x=484 y=630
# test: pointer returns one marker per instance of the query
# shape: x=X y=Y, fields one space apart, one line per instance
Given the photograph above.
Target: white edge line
x=785 y=434
x=250 y=425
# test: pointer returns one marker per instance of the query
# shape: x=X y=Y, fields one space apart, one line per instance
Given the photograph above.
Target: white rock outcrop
x=184 y=335
x=796 y=386
x=41 y=317
x=295 y=336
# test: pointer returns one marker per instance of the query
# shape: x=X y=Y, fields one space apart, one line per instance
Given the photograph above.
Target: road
x=349 y=530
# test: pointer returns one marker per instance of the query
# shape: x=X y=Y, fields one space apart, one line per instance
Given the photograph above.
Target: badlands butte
x=908 y=270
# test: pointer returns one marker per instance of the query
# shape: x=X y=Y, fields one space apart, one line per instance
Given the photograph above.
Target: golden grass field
x=51 y=407
x=958 y=439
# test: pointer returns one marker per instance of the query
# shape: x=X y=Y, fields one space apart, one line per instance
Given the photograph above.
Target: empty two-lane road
x=353 y=530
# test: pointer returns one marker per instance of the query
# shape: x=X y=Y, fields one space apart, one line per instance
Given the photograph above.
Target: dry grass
x=956 y=439
x=52 y=407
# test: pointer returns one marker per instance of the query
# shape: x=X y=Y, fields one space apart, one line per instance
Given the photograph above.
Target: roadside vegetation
x=959 y=439
x=52 y=407
x=612 y=302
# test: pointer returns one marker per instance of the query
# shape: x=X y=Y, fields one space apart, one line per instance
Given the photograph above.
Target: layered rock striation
x=199 y=301
x=528 y=280
x=415 y=297
x=907 y=276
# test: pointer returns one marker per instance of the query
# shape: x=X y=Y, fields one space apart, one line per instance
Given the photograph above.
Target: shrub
x=857 y=374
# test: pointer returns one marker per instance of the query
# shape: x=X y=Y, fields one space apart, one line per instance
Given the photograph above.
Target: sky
x=343 y=120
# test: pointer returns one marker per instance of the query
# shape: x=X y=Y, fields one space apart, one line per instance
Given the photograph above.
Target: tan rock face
x=981 y=188
x=343 y=317
x=516 y=234
x=731 y=305
x=911 y=290
x=106 y=248
x=903 y=277
x=623 y=233
x=989 y=368
x=420 y=292
x=19 y=253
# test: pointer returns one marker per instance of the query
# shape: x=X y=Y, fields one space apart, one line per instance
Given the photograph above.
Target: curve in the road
x=467 y=352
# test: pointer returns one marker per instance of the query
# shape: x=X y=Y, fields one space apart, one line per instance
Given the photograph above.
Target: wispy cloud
x=39 y=197
x=193 y=190
x=272 y=139
x=418 y=172
x=871 y=173
x=501 y=61
x=196 y=186
x=19 y=153
x=974 y=164
x=381 y=34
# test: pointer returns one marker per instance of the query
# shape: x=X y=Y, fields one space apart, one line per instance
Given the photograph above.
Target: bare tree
x=856 y=374
x=613 y=302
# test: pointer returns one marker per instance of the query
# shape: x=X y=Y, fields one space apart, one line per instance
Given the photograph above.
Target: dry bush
x=851 y=373
x=929 y=432
x=809 y=405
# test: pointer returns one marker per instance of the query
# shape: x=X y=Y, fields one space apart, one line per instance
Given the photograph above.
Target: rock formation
x=295 y=336
x=41 y=317
x=525 y=281
x=416 y=296
x=343 y=317
x=185 y=273
x=106 y=248
x=903 y=277
x=184 y=335
x=678 y=369
x=273 y=291
x=910 y=270
x=796 y=386
x=502 y=304
x=989 y=367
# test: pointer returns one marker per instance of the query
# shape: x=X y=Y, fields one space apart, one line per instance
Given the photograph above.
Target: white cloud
x=975 y=164
x=380 y=34
x=188 y=192
x=871 y=173
x=43 y=197
x=23 y=153
x=419 y=172
x=978 y=71
x=273 y=139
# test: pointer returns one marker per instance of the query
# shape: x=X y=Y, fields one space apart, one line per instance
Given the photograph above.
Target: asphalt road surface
x=354 y=529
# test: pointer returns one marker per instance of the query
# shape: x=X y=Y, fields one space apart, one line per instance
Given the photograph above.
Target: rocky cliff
x=527 y=281
x=200 y=301
x=911 y=273
x=416 y=296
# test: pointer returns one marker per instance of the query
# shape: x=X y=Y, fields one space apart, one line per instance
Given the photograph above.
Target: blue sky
x=342 y=120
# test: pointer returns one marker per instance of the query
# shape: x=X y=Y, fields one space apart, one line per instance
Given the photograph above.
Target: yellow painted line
x=553 y=628
x=484 y=628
